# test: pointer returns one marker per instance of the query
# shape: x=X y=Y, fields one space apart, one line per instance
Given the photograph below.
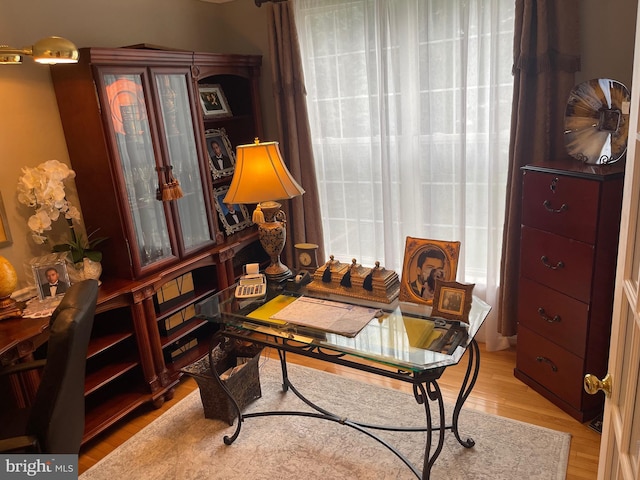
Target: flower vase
x=91 y=269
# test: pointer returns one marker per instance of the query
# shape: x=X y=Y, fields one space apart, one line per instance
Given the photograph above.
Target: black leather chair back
x=57 y=414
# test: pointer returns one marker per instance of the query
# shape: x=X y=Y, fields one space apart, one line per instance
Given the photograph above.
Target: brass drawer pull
x=547 y=204
x=546 y=360
x=547 y=318
x=545 y=262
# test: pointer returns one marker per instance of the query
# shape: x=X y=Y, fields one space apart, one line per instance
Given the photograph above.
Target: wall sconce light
x=47 y=51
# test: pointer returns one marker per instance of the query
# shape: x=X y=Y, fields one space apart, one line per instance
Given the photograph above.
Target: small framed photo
x=222 y=160
x=233 y=217
x=214 y=103
x=452 y=300
x=51 y=275
x=426 y=261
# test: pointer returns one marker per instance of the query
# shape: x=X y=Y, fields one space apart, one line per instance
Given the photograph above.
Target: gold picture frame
x=213 y=101
x=452 y=300
x=425 y=261
x=5 y=234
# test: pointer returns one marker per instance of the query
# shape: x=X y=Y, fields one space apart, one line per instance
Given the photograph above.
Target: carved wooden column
x=154 y=335
x=147 y=359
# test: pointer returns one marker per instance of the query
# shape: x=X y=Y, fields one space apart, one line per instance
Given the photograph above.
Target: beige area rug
x=182 y=444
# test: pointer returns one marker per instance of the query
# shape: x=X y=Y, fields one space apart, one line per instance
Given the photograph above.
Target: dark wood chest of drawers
x=569 y=244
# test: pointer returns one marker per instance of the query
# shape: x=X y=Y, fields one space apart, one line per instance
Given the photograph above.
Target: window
x=410 y=109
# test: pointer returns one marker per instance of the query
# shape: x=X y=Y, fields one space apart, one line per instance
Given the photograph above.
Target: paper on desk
x=326 y=315
x=265 y=312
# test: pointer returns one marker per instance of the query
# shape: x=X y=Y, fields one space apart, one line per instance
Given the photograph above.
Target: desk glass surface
x=383 y=340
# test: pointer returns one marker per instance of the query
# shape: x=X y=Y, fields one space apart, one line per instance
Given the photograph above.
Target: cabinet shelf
x=107 y=374
x=188 y=327
x=104 y=342
x=100 y=416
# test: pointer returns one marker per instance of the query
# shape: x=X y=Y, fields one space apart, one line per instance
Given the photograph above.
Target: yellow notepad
x=420 y=332
x=270 y=308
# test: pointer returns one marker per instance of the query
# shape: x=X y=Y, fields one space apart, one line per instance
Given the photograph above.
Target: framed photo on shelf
x=233 y=217
x=51 y=275
x=222 y=160
x=426 y=261
x=452 y=300
x=5 y=234
x=214 y=103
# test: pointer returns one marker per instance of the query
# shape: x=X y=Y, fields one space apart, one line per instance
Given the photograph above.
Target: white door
x=620 y=447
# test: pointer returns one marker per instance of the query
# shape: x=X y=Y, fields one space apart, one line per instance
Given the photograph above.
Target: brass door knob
x=593 y=384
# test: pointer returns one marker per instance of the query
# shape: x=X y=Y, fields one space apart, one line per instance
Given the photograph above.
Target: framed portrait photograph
x=51 y=276
x=233 y=217
x=222 y=160
x=452 y=300
x=426 y=261
x=214 y=103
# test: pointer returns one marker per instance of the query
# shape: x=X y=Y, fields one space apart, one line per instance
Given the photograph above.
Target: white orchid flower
x=43 y=188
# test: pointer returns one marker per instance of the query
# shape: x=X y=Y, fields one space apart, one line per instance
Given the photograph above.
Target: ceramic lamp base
x=273 y=235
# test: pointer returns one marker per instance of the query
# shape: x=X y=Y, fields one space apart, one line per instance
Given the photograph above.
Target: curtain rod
x=260 y=2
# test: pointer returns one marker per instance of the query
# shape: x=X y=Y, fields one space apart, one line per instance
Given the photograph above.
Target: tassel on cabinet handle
x=545 y=262
x=548 y=362
x=547 y=318
x=547 y=204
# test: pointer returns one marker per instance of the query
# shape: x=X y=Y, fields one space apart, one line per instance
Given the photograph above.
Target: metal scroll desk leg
x=283 y=366
x=429 y=390
x=423 y=392
x=473 y=353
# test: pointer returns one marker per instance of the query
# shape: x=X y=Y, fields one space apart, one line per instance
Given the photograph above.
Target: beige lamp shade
x=261 y=175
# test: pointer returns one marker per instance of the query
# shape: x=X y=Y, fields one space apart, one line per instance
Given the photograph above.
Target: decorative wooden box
x=353 y=280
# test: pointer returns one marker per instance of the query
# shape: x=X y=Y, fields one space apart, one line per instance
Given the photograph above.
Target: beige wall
x=607 y=39
x=30 y=130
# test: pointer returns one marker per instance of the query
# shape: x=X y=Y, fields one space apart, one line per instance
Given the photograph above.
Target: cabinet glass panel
x=127 y=104
x=183 y=157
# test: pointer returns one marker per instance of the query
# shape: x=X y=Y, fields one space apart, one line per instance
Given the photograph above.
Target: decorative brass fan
x=596 y=122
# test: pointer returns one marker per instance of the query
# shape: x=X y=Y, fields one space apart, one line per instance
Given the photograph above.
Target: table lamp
x=262 y=177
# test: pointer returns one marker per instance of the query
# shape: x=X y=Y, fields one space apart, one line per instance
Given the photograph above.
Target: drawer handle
x=547 y=205
x=547 y=361
x=545 y=262
x=547 y=318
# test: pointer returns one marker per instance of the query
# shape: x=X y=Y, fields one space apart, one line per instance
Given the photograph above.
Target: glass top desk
x=391 y=344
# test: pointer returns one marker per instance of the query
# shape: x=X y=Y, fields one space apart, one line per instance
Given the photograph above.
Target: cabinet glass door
x=132 y=131
x=180 y=140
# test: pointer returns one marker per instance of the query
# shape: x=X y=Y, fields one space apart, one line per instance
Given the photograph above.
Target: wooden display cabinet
x=132 y=119
x=143 y=128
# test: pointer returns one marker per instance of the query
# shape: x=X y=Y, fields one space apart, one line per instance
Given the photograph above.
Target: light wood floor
x=497 y=392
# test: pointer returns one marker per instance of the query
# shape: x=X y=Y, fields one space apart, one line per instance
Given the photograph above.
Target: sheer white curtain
x=410 y=106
